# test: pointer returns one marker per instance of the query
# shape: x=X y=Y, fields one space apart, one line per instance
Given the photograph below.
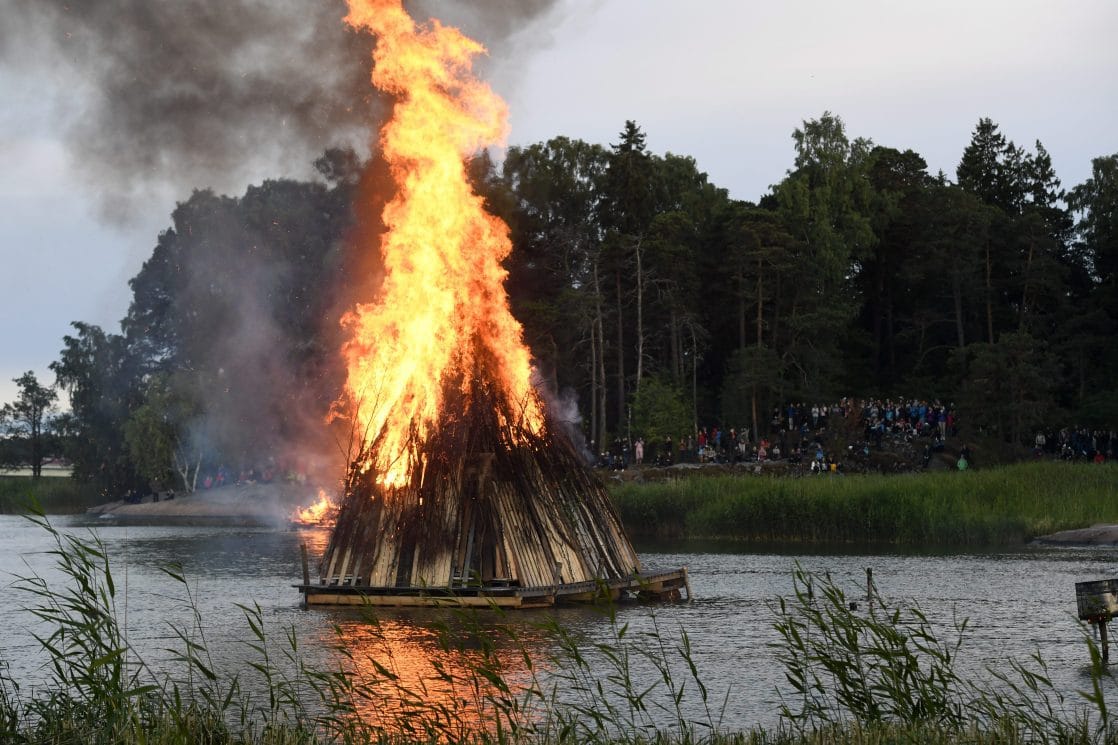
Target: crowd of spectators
x=797 y=433
x=1076 y=443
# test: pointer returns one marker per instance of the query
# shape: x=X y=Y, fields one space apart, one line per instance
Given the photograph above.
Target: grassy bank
x=884 y=677
x=995 y=506
x=56 y=496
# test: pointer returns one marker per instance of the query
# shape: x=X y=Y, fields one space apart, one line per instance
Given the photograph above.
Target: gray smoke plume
x=174 y=95
x=198 y=93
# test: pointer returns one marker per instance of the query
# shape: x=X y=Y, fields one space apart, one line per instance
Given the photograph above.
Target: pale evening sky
x=723 y=81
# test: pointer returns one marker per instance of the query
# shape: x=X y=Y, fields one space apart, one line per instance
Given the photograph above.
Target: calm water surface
x=1017 y=602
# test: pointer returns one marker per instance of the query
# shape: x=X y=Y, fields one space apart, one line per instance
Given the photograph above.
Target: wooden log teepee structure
x=493 y=514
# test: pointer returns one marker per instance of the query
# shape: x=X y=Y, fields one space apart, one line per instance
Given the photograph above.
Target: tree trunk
x=694 y=382
x=878 y=319
x=890 y=336
x=594 y=385
x=36 y=449
x=989 y=296
x=640 y=316
x=600 y=372
x=753 y=404
x=620 y=353
x=957 y=293
x=673 y=340
x=741 y=310
x=1025 y=287
x=197 y=468
x=774 y=328
x=760 y=306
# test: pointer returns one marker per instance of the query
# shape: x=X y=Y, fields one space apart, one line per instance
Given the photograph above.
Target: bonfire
x=459 y=476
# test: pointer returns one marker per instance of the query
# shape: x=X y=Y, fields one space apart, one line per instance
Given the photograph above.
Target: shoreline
x=238 y=504
x=1101 y=534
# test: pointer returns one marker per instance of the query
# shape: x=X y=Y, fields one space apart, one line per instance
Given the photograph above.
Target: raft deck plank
x=665 y=585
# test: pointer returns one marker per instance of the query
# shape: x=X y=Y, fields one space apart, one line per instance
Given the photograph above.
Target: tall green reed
x=55 y=495
x=996 y=506
x=854 y=676
x=889 y=667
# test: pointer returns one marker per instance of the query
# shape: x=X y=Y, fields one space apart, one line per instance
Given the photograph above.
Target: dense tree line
x=859 y=274
x=644 y=289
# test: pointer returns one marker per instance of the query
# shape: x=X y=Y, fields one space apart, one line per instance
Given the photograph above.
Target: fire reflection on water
x=444 y=677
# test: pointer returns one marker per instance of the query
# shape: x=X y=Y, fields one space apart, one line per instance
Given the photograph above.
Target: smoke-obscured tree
x=167 y=434
x=240 y=292
x=26 y=420
x=150 y=439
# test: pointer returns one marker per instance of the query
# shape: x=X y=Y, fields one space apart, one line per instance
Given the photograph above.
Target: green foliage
x=150 y=439
x=1096 y=200
x=889 y=666
x=660 y=410
x=990 y=168
x=54 y=495
x=993 y=506
x=859 y=274
x=822 y=202
x=754 y=371
x=26 y=423
x=1008 y=388
x=103 y=379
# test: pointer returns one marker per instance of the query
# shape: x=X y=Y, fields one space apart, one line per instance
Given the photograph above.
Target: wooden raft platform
x=666 y=586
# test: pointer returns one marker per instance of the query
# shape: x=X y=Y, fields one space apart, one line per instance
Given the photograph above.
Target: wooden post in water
x=869 y=588
x=306 y=573
x=1105 y=643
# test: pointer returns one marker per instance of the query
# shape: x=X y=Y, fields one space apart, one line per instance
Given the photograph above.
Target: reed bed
x=54 y=495
x=999 y=506
x=876 y=677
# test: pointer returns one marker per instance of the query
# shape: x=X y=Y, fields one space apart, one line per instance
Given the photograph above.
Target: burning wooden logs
x=491 y=510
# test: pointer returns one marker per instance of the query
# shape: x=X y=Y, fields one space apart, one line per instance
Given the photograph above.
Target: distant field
x=51 y=472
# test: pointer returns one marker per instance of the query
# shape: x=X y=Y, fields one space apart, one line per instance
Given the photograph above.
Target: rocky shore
x=239 y=504
x=1096 y=535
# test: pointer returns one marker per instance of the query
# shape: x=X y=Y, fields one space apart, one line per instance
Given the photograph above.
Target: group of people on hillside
x=265 y=473
x=1077 y=443
x=796 y=434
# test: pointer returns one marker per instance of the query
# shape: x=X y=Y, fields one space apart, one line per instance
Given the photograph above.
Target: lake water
x=1017 y=602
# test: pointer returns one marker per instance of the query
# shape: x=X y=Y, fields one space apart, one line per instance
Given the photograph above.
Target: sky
x=724 y=81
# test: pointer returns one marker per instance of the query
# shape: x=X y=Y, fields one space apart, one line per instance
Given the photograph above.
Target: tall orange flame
x=442 y=302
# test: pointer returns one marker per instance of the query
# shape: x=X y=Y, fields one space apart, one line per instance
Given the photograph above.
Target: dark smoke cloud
x=197 y=93
x=173 y=95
